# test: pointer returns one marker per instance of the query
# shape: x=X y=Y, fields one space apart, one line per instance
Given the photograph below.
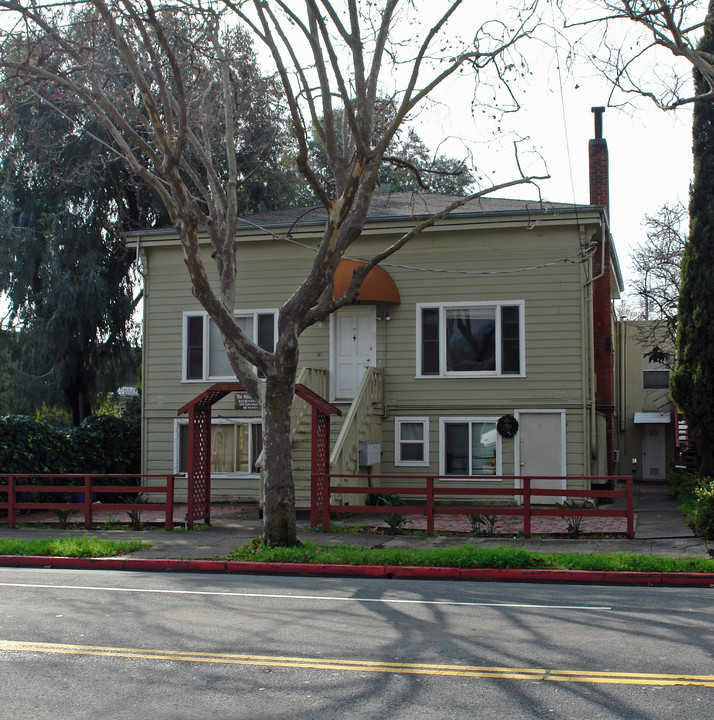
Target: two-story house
x=504 y=308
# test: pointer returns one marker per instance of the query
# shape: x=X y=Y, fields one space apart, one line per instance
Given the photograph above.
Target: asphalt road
x=93 y=644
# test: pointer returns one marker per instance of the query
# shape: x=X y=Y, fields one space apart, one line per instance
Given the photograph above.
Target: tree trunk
x=279 y=527
x=78 y=399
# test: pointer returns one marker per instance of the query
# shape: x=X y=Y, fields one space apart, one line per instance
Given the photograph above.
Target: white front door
x=540 y=450
x=354 y=346
x=654 y=464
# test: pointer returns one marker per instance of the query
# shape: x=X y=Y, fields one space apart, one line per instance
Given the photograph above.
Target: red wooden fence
x=320 y=513
x=10 y=488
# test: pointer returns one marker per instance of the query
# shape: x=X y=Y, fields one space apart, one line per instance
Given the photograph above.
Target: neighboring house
x=647 y=422
x=504 y=308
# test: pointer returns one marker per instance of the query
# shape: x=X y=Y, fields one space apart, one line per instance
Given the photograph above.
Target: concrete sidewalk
x=660 y=530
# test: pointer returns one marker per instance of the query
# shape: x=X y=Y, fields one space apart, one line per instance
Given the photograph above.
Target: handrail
x=86 y=489
x=315 y=379
x=430 y=491
x=369 y=391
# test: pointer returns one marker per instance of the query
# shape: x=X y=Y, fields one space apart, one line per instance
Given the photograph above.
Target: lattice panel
x=320 y=465
x=199 y=465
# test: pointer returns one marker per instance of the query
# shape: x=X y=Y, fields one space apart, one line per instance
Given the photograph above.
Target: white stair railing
x=344 y=458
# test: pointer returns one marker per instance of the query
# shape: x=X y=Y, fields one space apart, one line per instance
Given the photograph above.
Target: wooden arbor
x=199 y=443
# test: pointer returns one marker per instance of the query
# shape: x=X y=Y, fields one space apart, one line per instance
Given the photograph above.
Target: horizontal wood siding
x=269 y=271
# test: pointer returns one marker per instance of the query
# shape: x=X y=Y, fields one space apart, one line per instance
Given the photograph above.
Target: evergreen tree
x=67 y=199
x=693 y=380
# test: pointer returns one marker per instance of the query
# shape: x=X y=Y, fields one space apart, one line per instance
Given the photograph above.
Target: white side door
x=353 y=349
x=540 y=450
x=654 y=464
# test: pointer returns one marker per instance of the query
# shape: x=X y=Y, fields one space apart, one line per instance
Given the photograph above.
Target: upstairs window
x=470 y=339
x=204 y=356
x=655 y=373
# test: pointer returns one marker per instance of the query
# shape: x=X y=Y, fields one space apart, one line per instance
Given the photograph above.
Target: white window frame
x=443 y=422
x=398 y=421
x=442 y=308
x=205 y=360
x=178 y=422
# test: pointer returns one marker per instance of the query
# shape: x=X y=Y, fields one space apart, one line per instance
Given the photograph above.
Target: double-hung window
x=205 y=358
x=470 y=447
x=470 y=339
x=411 y=441
x=235 y=446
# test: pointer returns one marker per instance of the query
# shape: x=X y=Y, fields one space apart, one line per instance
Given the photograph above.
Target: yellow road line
x=579 y=676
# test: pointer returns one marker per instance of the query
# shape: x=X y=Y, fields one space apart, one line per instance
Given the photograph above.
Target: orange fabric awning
x=378 y=286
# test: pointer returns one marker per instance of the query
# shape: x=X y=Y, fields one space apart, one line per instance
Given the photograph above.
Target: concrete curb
x=579 y=577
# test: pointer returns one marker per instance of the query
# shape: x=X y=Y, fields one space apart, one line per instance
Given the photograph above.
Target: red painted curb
x=590 y=577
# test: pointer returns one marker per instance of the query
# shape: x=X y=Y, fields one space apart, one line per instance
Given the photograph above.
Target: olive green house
x=494 y=313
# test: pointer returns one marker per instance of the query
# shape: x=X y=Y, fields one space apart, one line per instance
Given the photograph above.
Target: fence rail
x=11 y=489
x=431 y=492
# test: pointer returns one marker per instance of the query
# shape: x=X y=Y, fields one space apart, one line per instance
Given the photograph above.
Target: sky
x=649 y=148
x=649 y=153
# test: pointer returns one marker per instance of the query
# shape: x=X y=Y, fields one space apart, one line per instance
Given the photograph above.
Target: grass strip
x=467 y=557
x=70 y=547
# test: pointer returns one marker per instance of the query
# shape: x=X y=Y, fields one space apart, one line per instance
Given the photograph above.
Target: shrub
x=694 y=496
x=102 y=444
x=703 y=515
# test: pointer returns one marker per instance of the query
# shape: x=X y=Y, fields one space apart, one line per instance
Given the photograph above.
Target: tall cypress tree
x=692 y=382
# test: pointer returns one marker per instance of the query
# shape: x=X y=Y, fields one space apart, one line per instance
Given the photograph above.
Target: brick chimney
x=602 y=307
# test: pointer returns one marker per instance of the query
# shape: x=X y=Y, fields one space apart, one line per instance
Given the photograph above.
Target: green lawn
x=468 y=557
x=70 y=547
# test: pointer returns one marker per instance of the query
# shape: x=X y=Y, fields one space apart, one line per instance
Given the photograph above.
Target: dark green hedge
x=101 y=444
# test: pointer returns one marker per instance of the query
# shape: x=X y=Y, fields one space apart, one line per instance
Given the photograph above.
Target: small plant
x=134 y=519
x=111 y=523
x=63 y=517
x=396 y=522
x=385 y=500
x=574 y=521
x=488 y=522
x=256 y=546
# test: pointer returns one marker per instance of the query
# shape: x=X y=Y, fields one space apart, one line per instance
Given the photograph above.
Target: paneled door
x=540 y=450
x=354 y=346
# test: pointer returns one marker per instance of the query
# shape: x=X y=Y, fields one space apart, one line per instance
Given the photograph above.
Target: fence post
x=630 y=510
x=526 y=507
x=325 y=479
x=11 y=501
x=430 y=505
x=169 y=521
x=87 y=501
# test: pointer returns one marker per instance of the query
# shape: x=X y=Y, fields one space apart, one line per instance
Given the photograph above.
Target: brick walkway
x=512 y=525
x=102 y=517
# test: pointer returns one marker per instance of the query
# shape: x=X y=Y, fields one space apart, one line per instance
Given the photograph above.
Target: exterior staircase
x=360 y=421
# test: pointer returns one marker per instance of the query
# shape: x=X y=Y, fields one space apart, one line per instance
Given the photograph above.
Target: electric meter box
x=370 y=453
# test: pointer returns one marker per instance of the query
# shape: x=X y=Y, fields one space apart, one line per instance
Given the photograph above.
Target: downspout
x=144 y=361
x=623 y=376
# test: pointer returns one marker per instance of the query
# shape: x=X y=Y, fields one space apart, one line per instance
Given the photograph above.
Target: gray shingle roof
x=412 y=205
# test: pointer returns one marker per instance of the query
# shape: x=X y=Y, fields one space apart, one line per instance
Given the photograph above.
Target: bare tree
x=329 y=59
x=657 y=263
x=634 y=42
